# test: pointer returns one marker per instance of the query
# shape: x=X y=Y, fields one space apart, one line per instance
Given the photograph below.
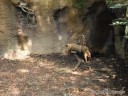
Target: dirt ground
x=52 y=75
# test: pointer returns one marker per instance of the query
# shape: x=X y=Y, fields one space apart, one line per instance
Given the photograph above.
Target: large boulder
x=57 y=23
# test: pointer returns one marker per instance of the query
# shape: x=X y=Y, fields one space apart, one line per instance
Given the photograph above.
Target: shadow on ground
x=52 y=75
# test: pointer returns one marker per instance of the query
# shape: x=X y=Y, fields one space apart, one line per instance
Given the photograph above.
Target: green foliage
x=116 y=3
x=109 y=2
x=120 y=21
x=79 y=3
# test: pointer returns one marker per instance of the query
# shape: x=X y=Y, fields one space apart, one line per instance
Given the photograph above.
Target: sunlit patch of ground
x=53 y=75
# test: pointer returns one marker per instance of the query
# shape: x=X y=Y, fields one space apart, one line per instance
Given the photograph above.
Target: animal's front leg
x=85 y=57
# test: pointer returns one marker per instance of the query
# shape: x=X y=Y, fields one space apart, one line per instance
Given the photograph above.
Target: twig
x=78 y=64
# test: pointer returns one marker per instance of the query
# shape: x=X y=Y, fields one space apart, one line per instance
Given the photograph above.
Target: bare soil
x=52 y=75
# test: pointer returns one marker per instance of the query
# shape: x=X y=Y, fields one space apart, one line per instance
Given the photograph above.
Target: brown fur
x=80 y=49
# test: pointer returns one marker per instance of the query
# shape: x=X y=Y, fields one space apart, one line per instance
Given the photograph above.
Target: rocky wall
x=58 y=23
x=8 y=26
